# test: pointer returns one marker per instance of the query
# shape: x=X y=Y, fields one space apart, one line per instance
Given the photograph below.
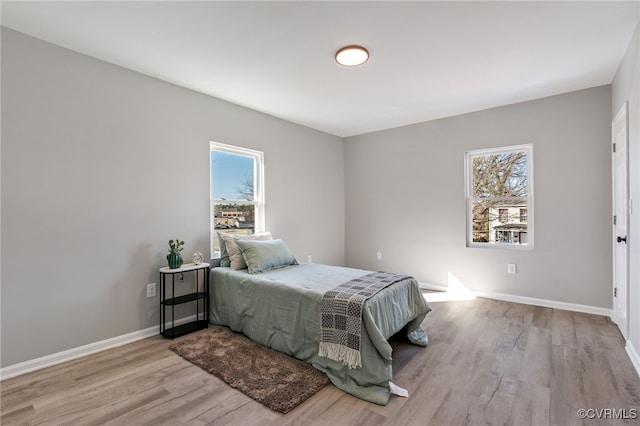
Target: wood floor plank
x=530 y=406
x=370 y=418
x=563 y=328
x=542 y=317
x=311 y=409
x=488 y=362
x=537 y=358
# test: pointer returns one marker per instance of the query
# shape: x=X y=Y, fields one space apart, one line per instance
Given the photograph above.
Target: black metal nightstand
x=201 y=293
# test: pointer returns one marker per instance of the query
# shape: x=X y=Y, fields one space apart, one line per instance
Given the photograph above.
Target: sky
x=228 y=173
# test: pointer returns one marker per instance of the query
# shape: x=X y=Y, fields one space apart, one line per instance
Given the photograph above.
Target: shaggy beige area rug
x=274 y=379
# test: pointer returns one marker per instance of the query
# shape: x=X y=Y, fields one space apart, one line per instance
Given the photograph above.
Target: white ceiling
x=428 y=59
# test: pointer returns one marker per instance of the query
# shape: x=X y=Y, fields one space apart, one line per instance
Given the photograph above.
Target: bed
x=280 y=308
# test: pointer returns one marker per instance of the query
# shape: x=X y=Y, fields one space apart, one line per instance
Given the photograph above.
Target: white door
x=621 y=214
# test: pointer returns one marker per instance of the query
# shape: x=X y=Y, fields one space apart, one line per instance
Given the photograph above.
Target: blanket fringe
x=350 y=357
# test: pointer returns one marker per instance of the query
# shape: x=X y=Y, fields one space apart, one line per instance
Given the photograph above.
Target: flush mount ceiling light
x=350 y=56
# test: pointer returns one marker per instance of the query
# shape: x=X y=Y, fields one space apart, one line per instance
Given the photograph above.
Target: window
x=503 y=215
x=237 y=192
x=499 y=193
x=523 y=215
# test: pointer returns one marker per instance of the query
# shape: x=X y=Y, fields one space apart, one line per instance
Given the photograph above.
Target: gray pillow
x=226 y=253
x=263 y=256
x=235 y=257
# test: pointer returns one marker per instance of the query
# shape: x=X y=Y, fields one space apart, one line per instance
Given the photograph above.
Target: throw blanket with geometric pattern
x=341 y=311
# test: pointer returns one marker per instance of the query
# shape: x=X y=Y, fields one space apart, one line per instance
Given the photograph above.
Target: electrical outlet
x=379 y=255
x=309 y=259
x=151 y=290
x=511 y=268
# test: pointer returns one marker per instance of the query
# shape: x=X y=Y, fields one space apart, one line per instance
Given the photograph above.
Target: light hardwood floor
x=488 y=362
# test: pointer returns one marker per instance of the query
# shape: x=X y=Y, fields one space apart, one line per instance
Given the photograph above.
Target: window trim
x=469 y=199
x=258 y=189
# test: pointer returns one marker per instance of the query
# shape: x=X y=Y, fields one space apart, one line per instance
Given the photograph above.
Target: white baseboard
x=435 y=287
x=546 y=303
x=74 y=353
x=529 y=301
x=633 y=356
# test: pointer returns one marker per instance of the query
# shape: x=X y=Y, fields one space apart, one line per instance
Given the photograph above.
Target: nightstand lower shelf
x=183 y=299
x=183 y=329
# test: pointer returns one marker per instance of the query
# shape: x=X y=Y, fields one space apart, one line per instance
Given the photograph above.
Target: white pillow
x=236 y=261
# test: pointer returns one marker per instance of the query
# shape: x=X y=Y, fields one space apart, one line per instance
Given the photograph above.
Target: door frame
x=620 y=318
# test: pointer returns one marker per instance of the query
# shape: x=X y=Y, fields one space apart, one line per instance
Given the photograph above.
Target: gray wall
x=626 y=87
x=405 y=197
x=101 y=166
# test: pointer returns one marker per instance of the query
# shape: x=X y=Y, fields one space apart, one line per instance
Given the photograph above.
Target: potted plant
x=174 y=257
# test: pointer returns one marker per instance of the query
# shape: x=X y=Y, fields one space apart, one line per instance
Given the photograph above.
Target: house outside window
x=237 y=192
x=499 y=194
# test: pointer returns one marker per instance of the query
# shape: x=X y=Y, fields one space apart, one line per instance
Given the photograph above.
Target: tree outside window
x=499 y=197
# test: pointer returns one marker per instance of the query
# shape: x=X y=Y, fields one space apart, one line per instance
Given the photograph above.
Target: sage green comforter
x=281 y=309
